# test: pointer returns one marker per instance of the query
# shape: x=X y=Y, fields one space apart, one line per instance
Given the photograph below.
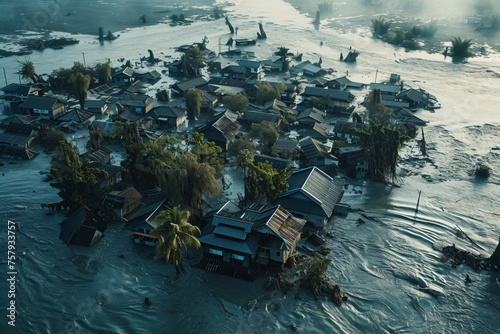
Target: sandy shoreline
x=86 y=16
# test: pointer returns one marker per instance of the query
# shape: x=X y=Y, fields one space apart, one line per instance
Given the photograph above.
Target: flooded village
x=222 y=158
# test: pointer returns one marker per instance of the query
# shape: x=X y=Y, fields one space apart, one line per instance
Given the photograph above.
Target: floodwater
x=389 y=267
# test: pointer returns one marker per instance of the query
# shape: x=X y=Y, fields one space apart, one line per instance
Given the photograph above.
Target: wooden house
x=316 y=131
x=343 y=130
x=388 y=92
x=19 y=119
x=415 y=98
x=101 y=155
x=74 y=120
x=308 y=69
x=120 y=205
x=141 y=228
x=167 y=116
x=137 y=103
x=234 y=243
x=149 y=77
x=16 y=94
x=285 y=148
x=312 y=195
x=208 y=102
x=315 y=153
x=43 y=107
x=222 y=129
x=235 y=72
x=123 y=77
x=98 y=107
x=339 y=100
x=404 y=115
x=354 y=160
x=15 y=141
x=82 y=227
x=270 y=65
x=308 y=117
x=289 y=96
x=257 y=116
x=253 y=67
x=181 y=87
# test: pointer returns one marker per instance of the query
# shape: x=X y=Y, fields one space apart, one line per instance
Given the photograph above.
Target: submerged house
x=312 y=195
x=15 y=141
x=82 y=228
x=16 y=94
x=123 y=76
x=167 y=116
x=316 y=153
x=141 y=228
x=222 y=130
x=339 y=100
x=235 y=243
x=120 y=205
x=43 y=107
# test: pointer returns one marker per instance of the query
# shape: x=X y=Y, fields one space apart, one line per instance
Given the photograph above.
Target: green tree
x=75 y=179
x=237 y=102
x=381 y=140
x=103 y=71
x=266 y=92
x=460 y=47
x=261 y=179
x=194 y=99
x=175 y=234
x=27 y=70
x=194 y=60
x=207 y=152
x=50 y=137
x=238 y=145
x=282 y=53
x=380 y=26
x=81 y=83
x=266 y=132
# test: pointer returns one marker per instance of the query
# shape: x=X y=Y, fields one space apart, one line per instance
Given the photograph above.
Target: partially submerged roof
x=315 y=185
x=334 y=94
x=42 y=102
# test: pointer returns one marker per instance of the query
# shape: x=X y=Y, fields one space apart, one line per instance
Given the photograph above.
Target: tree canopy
x=266 y=132
x=237 y=102
x=261 y=179
x=185 y=174
x=74 y=179
x=194 y=100
x=267 y=92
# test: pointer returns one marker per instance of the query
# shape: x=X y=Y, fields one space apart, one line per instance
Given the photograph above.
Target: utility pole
x=84 y=64
x=418 y=202
x=376 y=74
x=5 y=76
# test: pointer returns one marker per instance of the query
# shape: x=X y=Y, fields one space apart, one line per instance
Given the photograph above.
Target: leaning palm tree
x=175 y=234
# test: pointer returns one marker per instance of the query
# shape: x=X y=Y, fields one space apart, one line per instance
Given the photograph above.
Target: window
x=278 y=253
x=215 y=251
x=237 y=257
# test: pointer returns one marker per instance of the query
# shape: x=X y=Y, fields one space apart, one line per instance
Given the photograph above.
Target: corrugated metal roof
x=231 y=244
x=231 y=232
x=320 y=188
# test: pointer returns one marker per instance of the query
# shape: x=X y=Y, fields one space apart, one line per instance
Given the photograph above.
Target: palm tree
x=380 y=26
x=175 y=234
x=460 y=47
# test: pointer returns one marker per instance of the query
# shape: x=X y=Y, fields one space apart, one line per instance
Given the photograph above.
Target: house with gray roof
x=310 y=116
x=344 y=130
x=285 y=148
x=44 y=107
x=315 y=153
x=123 y=77
x=316 y=131
x=15 y=94
x=404 y=115
x=235 y=243
x=15 y=141
x=181 y=87
x=82 y=227
x=312 y=195
x=339 y=99
x=167 y=116
x=222 y=129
